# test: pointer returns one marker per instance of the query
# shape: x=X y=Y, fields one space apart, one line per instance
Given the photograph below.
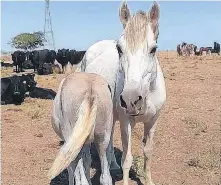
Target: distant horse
x=178 y=48
x=185 y=49
x=191 y=49
x=205 y=49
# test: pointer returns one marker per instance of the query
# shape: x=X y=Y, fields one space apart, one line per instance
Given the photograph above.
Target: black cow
x=63 y=57
x=42 y=93
x=30 y=81
x=39 y=58
x=75 y=57
x=52 y=56
x=34 y=58
x=72 y=56
x=47 y=68
x=3 y=64
x=18 y=57
x=27 y=64
x=81 y=54
x=13 y=88
x=43 y=58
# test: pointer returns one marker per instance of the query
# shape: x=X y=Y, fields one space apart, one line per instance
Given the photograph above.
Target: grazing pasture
x=187 y=147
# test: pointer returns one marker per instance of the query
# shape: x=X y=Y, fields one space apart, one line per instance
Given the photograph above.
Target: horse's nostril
x=122 y=102
x=139 y=98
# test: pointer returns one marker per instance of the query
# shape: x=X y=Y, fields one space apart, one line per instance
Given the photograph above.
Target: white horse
x=144 y=91
x=140 y=87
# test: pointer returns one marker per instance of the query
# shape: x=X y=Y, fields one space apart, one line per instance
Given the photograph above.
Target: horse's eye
x=119 y=50
x=153 y=50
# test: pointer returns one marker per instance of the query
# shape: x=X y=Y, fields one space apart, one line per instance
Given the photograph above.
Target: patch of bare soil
x=187 y=141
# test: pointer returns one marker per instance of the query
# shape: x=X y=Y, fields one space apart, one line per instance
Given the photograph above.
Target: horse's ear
x=124 y=13
x=154 y=13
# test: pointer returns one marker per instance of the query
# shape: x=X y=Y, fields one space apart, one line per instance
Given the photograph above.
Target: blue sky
x=77 y=25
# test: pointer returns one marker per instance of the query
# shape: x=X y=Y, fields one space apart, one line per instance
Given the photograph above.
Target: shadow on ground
x=62 y=179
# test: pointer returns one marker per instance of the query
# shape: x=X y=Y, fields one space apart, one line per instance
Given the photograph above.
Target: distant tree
x=28 y=41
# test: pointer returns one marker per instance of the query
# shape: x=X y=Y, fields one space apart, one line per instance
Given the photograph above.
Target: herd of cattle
x=43 y=61
x=185 y=49
x=14 y=89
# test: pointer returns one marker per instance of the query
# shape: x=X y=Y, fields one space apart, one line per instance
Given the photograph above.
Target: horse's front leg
x=127 y=158
x=149 y=129
x=114 y=165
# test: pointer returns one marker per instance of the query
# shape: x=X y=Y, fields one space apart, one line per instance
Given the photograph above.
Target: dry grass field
x=187 y=142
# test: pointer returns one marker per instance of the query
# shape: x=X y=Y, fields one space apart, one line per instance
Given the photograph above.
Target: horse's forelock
x=136 y=31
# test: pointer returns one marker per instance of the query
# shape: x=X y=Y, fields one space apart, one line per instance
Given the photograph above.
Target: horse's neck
x=158 y=89
x=156 y=76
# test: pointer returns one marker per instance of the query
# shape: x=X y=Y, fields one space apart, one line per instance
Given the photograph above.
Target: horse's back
x=77 y=85
x=98 y=48
x=74 y=89
x=102 y=58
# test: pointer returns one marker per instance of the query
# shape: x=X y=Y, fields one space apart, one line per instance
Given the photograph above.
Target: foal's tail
x=82 y=130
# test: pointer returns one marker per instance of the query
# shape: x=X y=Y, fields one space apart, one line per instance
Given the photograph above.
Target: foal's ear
x=124 y=13
x=154 y=13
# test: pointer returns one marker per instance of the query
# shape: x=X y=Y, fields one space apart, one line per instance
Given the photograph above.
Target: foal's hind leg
x=82 y=171
x=76 y=172
x=80 y=175
x=86 y=156
x=105 y=178
x=70 y=175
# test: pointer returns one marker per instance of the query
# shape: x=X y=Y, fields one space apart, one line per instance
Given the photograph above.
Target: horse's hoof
x=117 y=174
